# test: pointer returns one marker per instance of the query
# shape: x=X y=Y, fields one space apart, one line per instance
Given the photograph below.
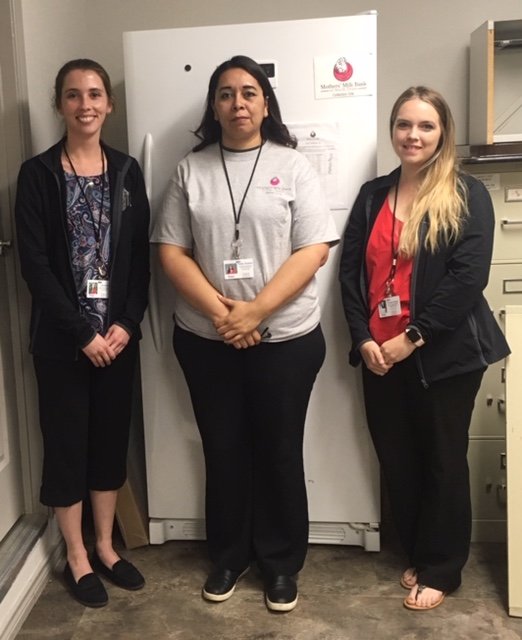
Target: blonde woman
x=415 y=262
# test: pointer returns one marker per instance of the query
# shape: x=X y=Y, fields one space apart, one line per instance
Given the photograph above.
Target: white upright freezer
x=324 y=74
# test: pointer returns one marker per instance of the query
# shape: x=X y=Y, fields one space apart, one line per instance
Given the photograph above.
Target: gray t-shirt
x=284 y=210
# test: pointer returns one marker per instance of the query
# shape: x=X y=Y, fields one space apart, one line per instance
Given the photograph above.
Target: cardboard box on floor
x=131 y=518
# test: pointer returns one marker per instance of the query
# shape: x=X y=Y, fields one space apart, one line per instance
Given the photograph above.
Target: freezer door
x=166 y=78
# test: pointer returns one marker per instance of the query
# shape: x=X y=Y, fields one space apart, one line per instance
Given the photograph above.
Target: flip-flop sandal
x=415 y=607
x=409 y=585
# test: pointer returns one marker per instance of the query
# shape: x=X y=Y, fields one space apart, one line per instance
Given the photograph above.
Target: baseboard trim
x=32 y=577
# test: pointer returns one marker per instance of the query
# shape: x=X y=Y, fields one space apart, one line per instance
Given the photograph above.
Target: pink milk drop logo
x=275 y=181
x=342 y=70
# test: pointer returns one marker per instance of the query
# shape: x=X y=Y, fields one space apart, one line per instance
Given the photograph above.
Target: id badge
x=97 y=288
x=390 y=306
x=238 y=269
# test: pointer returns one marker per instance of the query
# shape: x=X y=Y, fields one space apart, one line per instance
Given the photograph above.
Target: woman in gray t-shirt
x=243 y=229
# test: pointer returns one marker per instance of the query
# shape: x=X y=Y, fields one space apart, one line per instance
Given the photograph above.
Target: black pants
x=85 y=414
x=250 y=407
x=421 y=439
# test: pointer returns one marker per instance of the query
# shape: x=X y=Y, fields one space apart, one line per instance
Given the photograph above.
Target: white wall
x=422 y=42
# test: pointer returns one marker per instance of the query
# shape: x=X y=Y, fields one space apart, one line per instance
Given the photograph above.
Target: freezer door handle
x=153 y=309
x=147 y=164
x=154 y=301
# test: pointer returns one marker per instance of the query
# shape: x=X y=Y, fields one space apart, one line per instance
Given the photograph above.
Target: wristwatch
x=414 y=335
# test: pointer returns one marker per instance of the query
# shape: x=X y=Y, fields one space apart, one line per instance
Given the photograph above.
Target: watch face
x=413 y=334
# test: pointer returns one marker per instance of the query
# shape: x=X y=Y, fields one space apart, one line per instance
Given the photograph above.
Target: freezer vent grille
x=357 y=533
x=175 y=529
x=194 y=530
x=332 y=533
x=363 y=534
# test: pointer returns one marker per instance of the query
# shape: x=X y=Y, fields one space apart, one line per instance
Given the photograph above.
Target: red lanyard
x=394 y=250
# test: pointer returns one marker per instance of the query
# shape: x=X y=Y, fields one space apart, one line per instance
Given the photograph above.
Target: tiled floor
x=345 y=594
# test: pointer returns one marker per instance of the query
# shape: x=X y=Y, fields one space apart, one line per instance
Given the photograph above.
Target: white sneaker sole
x=221 y=597
x=281 y=606
x=214 y=597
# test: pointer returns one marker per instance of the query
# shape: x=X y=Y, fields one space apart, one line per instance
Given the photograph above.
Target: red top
x=378 y=265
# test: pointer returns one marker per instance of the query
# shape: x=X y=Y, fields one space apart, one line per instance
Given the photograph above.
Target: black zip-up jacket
x=58 y=330
x=447 y=304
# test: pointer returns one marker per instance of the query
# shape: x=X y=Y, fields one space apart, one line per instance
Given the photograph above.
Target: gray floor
x=345 y=594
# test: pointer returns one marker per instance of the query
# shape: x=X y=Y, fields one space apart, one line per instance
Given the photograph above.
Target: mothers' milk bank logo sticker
x=344 y=76
x=342 y=70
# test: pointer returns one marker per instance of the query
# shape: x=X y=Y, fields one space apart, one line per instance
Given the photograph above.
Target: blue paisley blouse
x=82 y=240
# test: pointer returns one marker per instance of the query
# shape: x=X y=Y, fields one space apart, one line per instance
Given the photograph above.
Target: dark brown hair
x=85 y=65
x=272 y=128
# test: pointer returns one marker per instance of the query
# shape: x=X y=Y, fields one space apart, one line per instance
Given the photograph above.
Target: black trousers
x=421 y=439
x=250 y=407
x=85 y=414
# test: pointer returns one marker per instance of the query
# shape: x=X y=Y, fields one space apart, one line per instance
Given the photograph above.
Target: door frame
x=11 y=481
x=17 y=148
x=33 y=546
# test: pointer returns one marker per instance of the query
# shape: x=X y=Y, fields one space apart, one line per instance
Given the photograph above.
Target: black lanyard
x=394 y=250
x=100 y=264
x=236 y=243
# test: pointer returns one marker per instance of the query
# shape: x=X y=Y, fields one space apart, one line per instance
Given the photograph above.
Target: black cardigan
x=446 y=300
x=58 y=330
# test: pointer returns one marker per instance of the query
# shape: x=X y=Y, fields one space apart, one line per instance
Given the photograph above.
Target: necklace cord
x=237 y=213
x=100 y=264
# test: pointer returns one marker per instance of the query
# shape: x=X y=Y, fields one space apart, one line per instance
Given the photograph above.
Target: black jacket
x=446 y=300
x=58 y=330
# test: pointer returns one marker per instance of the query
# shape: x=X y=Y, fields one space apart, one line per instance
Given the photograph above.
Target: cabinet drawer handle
x=505 y=222
x=512 y=285
x=502 y=493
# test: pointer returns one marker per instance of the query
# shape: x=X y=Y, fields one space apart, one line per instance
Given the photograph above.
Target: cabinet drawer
x=504 y=287
x=487 y=479
x=508 y=215
x=489 y=414
x=489 y=418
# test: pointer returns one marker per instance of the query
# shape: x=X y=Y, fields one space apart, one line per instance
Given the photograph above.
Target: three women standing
x=415 y=262
x=82 y=219
x=244 y=228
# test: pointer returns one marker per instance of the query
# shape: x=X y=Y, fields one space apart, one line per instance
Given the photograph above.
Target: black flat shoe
x=89 y=589
x=281 y=593
x=123 y=573
x=221 y=583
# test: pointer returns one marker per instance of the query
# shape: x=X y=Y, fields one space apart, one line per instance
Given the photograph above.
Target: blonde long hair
x=442 y=193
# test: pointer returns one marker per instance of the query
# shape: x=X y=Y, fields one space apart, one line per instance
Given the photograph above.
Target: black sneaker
x=221 y=583
x=89 y=589
x=281 y=593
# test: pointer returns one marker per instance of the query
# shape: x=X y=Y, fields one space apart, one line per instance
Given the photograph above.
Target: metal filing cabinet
x=486 y=456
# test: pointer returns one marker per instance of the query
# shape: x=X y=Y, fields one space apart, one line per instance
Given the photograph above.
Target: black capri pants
x=85 y=414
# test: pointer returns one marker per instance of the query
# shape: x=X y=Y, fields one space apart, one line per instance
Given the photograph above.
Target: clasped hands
x=102 y=350
x=239 y=327
x=380 y=359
